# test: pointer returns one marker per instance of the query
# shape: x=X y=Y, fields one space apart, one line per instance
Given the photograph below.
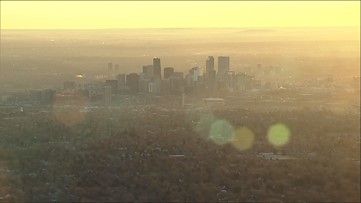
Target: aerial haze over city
x=138 y=101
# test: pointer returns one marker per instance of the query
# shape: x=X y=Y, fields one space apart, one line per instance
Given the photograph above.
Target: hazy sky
x=177 y=14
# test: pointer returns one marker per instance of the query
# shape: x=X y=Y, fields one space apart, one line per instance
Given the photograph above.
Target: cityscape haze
x=194 y=101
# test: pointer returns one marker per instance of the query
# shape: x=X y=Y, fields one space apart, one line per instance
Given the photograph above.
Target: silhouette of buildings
x=210 y=76
x=113 y=84
x=110 y=69
x=168 y=72
x=132 y=81
x=148 y=71
x=223 y=67
x=157 y=67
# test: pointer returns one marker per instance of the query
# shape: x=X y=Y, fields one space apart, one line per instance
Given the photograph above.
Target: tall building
x=148 y=70
x=121 y=79
x=231 y=81
x=154 y=85
x=168 y=72
x=223 y=67
x=241 y=82
x=194 y=73
x=113 y=84
x=144 y=81
x=210 y=72
x=157 y=67
x=209 y=66
x=132 y=81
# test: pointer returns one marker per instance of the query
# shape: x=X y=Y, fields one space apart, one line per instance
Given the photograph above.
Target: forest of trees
x=124 y=155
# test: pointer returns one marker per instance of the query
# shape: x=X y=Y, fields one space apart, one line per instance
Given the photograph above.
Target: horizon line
x=268 y=27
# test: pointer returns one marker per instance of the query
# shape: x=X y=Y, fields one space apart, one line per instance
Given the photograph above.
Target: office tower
x=144 y=82
x=210 y=77
x=107 y=94
x=168 y=72
x=194 y=73
x=154 y=85
x=241 y=81
x=231 y=81
x=157 y=67
x=113 y=84
x=210 y=67
x=121 y=79
x=156 y=81
x=223 y=67
x=132 y=81
x=148 y=70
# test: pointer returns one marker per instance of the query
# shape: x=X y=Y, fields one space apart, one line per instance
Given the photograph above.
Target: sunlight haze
x=176 y=14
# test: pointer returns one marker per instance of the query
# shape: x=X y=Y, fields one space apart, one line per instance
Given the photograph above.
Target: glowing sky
x=177 y=14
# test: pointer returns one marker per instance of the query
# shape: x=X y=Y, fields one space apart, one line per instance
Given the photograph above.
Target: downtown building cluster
x=164 y=81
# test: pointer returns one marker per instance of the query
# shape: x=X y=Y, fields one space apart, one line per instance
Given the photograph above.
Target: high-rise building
x=241 y=81
x=113 y=84
x=121 y=79
x=132 y=81
x=157 y=67
x=168 y=72
x=154 y=85
x=143 y=83
x=209 y=66
x=231 y=81
x=223 y=67
x=194 y=73
x=148 y=70
x=210 y=76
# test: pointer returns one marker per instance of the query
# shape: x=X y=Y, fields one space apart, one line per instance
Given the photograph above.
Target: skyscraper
x=209 y=65
x=223 y=67
x=121 y=79
x=210 y=72
x=168 y=71
x=148 y=70
x=110 y=69
x=157 y=67
x=113 y=84
x=132 y=81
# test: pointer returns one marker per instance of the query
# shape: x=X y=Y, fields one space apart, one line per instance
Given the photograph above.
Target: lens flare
x=243 y=138
x=204 y=124
x=221 y=132
x=278 y=134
